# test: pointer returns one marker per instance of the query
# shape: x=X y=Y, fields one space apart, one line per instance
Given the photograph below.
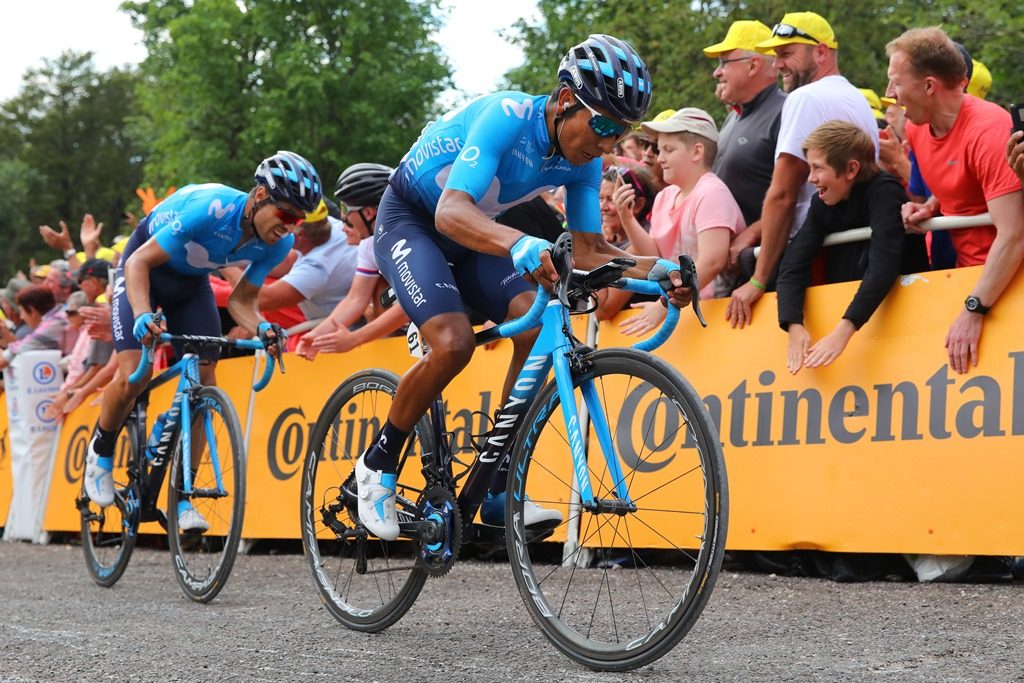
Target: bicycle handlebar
x=576 y=284
x=146 y=361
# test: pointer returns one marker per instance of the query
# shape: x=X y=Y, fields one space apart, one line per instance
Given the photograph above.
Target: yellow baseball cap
x=807 y=28
x=742 y=35
x=873 y=101
x=981 y=80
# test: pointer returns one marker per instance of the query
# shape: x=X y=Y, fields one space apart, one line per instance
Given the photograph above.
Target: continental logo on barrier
x=78 y=445
x=894 y=411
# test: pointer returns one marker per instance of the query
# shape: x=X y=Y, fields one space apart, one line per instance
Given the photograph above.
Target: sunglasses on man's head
x=604 y=126
x=788 y=31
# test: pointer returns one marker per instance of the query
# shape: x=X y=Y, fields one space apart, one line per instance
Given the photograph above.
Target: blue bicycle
x=199 y=436
x=619 y=444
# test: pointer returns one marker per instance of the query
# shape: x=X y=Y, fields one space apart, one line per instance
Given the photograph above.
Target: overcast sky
x=37 y=29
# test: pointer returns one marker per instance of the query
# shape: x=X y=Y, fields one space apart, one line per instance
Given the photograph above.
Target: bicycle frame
x=555 y=347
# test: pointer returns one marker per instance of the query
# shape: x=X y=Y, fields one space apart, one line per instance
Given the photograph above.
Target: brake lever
x=688 y=272
x=561 y=256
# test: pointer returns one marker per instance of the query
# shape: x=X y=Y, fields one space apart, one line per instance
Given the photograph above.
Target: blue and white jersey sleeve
x=582 y=200
x=257 y=271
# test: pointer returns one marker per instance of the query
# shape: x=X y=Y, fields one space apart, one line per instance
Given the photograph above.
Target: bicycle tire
x=393 y=578
x=667 y=576
x=202 y=562
x=108 y=541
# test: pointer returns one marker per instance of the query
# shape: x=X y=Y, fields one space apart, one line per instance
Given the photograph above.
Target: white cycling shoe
x=98 y=480
x=189 y=518
x=377 y=501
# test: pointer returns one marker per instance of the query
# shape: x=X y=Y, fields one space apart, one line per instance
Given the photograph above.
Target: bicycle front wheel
x=204 y=540
x=109 y=534
x=366 y=583
x=637 y=568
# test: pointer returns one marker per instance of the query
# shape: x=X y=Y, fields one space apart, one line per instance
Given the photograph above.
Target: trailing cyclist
x=166 y=265
x=437 y=243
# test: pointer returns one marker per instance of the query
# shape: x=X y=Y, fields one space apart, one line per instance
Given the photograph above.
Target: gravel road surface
x=268 y=625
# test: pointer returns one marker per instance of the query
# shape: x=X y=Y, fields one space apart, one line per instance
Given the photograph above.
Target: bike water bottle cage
x=526 y=252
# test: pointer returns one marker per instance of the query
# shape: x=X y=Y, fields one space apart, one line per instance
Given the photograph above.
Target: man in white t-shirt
x=322 y=274
x=806 y=56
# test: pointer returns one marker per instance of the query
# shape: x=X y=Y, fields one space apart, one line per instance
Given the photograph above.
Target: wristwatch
x=973 y=304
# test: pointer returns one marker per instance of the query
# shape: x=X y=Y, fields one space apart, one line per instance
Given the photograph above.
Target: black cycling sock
x=384 y=454
x=103 y=441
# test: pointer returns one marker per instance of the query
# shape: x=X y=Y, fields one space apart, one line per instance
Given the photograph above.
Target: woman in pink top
x=694 y=215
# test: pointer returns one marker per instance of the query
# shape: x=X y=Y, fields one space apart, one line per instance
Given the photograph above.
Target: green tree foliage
x=229 y=82
x=670 y=35
x=64 y=151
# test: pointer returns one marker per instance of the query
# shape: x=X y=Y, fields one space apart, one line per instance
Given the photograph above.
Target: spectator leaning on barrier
x=806 y=55
x=321 y=275
x=45 y=318
x=748 y=84
x=852 y=193
x=963 y=164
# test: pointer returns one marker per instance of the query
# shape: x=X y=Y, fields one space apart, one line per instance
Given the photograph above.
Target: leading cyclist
x=438 y=246
x=166 y=264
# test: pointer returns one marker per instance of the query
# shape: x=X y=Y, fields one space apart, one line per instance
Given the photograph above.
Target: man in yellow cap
x=748 y=84
x=806 y=56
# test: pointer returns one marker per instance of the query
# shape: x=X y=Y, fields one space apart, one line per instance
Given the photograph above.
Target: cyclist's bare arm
x=242 y=305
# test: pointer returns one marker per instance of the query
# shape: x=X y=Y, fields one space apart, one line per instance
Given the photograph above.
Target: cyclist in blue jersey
x=437 y=243
x=167 y=263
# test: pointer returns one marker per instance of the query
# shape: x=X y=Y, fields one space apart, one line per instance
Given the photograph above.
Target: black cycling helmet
x=362 y=184
x=607 y=72
x=290 y=178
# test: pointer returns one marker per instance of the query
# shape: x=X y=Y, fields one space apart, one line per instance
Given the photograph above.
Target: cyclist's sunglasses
x=284 y=215
x=605 y=127
x=346 y=210
x=788 y=31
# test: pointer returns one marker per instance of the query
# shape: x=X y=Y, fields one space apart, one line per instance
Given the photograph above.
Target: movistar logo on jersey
x=218 y=210
x=521 y=110
x=426 y=150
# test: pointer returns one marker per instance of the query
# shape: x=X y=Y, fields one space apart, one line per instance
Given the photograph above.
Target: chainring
x=439 y=505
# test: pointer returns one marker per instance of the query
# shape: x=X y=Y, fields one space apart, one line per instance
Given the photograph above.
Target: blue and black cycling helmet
x=290 y=178
x=362 y=184
x=607 y=72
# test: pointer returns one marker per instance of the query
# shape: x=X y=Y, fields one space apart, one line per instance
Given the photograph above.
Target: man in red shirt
x=964 y=165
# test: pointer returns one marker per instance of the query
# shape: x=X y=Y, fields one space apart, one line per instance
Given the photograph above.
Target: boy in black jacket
x=852 y=193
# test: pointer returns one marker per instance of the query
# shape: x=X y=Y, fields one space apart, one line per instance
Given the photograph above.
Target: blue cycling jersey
x=493 y=149
x=199 y=226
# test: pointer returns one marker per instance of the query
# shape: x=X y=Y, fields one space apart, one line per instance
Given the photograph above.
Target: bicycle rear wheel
x=109 y=534
x=367 y=584
x=635 y=575
x=202 y=559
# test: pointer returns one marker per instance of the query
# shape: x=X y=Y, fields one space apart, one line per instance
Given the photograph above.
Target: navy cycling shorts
x=432 y=274
x=186 y=301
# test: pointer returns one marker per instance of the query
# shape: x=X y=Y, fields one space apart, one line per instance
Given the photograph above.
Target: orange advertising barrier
x=886 y=450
